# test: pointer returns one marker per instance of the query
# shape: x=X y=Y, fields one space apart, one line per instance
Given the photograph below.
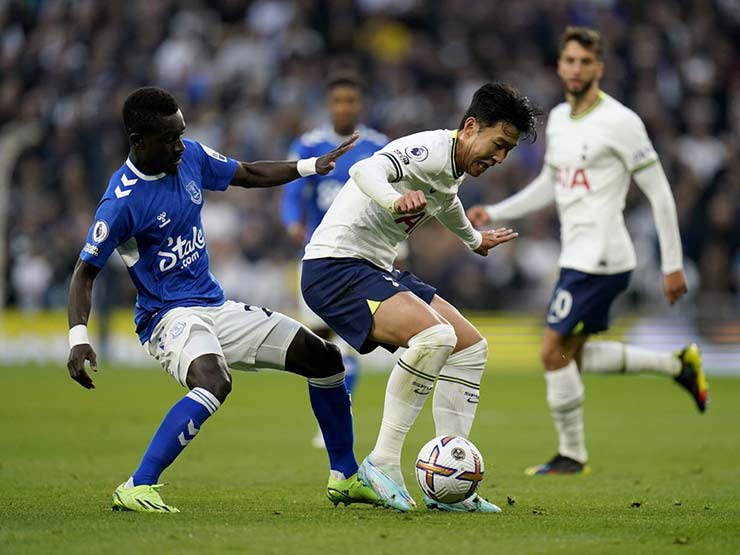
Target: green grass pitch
x=665 y=479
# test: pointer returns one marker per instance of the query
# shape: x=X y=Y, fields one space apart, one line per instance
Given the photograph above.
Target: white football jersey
x=356 y=226
x=592 y=158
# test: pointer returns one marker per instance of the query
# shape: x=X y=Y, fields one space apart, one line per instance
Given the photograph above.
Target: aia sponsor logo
x=570 y=178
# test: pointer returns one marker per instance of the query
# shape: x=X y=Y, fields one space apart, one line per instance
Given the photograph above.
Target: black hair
x=345 y=79
x=590 y=39
x=495 y=102
x=144 y=106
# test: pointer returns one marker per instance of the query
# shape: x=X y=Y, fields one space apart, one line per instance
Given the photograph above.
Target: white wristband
x=477 y=240
x=306 y=167
x=78 y=335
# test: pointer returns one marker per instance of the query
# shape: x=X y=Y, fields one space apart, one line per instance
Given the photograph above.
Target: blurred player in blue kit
x=306 y=200
x=151 y=214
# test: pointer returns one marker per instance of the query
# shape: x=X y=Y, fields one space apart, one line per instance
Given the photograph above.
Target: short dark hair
x=590 y=39
x=143 y=106
x=345 y=78
x=495 y=102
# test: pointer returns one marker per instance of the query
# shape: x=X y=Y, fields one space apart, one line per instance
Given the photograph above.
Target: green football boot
x=692 y=376
x=143 y=499
x=350 y=490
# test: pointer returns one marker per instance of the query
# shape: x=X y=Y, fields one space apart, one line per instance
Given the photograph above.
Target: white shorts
x=248 y=337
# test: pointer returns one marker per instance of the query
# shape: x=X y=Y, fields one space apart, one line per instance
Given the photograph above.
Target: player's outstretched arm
x=78 y=312
x=270 y=174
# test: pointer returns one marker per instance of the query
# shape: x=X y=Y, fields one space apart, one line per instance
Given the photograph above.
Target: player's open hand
x=410 y=202
x=494 y=237
x=674 y=286
x=327 y=162
x=76 y=364
x=478 y=216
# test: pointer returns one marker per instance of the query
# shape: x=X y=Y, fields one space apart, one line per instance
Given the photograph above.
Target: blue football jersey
x=154 y=223
x=307 y=199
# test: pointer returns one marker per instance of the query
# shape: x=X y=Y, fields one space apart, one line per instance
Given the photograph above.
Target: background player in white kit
x=349 y=280
x=595 y=146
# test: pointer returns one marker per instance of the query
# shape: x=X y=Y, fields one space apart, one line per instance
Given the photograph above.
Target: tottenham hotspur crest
x=195 y=195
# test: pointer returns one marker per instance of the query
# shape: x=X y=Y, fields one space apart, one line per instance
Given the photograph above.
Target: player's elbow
x=356 y=170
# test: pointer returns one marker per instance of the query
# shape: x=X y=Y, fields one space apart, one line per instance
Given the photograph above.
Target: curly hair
x=144 y=106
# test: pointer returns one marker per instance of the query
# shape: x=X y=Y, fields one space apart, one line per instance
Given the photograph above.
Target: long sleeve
x=653 y=182
x=372 y=177
x=535 y=196
x=453 y=218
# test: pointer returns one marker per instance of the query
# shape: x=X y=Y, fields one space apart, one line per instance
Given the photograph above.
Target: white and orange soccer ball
x=449 y=469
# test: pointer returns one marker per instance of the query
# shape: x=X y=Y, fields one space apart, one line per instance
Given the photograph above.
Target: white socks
x=410 y=382
x=611 y=356
x=565 y=388
x=456 y=393
x=565 y=398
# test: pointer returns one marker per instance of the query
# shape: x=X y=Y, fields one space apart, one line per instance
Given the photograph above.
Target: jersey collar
x=591 y=108
x=453 y=150
x=141 y=175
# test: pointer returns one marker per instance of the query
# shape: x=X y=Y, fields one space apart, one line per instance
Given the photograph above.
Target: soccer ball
x=449 y=469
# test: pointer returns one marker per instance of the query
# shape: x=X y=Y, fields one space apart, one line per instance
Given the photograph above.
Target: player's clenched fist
x=478 y=216
x=494 y=237
x=410 y=202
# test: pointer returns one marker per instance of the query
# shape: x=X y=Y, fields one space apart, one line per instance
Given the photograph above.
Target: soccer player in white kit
x=595 y=147
x=348 y=277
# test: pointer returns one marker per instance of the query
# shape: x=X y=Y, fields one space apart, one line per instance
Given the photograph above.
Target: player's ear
x=471 y=125
x=136 y=140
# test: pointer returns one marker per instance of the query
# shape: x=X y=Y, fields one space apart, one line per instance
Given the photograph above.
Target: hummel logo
x=120 y=193
x=163 y=219
x=192 y=431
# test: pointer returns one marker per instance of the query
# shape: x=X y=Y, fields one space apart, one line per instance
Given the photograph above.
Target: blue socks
x=178 y=428
x=330 y=402
x=331 y=405
x=351 y=372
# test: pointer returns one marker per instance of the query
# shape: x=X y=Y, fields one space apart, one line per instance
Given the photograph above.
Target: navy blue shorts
x=581 y=301
x=346 y=292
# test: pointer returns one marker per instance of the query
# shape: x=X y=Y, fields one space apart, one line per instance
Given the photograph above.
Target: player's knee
x=553 y=356
x=437 y=336
x=333 y=360
x=475 y=356
x=211 y=373
x=312 y=357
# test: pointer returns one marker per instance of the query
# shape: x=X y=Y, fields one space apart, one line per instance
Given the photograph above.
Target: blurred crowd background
x=249 y=78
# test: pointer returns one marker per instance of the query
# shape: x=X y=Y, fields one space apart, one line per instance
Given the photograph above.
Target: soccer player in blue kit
x=306 y=200
x=151 y=214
